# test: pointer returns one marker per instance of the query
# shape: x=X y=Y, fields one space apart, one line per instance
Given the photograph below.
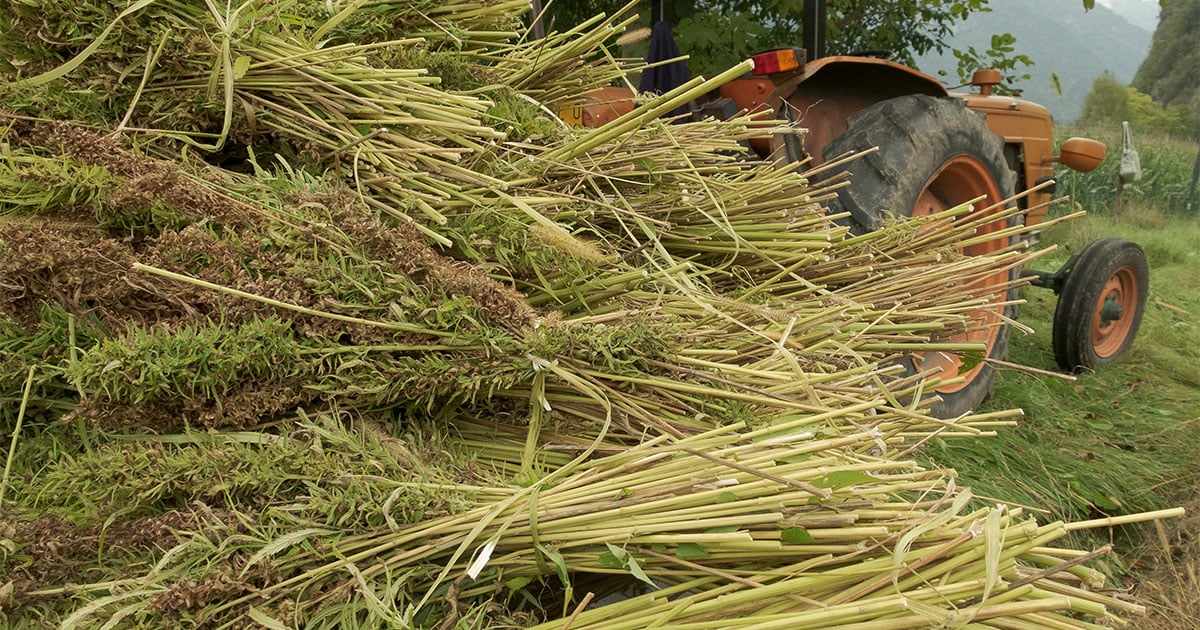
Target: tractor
x=927 y=150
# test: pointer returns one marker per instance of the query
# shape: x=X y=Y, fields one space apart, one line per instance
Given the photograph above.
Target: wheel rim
x=1112 y=317
x=960 y=180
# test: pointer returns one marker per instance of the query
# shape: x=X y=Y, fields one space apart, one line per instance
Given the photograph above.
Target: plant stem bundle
x=356 y=334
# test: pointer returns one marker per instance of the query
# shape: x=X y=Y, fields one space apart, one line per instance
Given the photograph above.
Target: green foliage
x=150 y=219
x=48 y=348
x=1109 y=103
x=1175 y=120
x=519 y=118
x=906 y=28
x=314 y=473
x=797 y=536
x=32 y=184
x=506 y=237
x=451 y=67
x=194 y=362
x=1001 y=56
x=624 y=347
x=39 y=36
x=716 y=34
x=421 y=384
x=704 y=38
x=35 y=184
x=173 y=47
x=618 y=558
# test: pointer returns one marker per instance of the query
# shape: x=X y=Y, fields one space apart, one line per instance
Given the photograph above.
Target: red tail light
x=778 y=60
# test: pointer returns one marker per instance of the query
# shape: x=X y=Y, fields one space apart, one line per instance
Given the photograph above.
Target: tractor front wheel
x=1100 y=305
x=934 y=154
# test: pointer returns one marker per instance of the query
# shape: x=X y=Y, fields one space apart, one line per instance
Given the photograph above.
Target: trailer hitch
x=1054 y=280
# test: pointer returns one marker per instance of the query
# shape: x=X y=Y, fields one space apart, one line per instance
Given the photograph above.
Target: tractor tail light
x=778 y=60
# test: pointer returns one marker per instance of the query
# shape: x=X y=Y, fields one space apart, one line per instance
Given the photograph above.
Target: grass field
x=1124 y=438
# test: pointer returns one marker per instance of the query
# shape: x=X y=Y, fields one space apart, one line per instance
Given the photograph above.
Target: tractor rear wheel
x=934 y=154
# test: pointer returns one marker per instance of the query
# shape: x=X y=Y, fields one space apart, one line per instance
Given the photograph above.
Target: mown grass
x=1115 y=440
x=1124 y=438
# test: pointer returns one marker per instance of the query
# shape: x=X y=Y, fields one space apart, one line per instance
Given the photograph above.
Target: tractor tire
x=933 y=154
x=1100 y=305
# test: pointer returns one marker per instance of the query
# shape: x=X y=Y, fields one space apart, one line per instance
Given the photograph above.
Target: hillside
x=1169 y=74
x=1062 y=39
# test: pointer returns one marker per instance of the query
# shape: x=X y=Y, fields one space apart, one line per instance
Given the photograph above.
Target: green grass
x=1123 y=438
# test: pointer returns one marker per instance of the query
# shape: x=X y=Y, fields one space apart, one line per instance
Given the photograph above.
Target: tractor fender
x=823 y=96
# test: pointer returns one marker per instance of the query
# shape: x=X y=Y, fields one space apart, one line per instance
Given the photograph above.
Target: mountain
x=1062 y=39
x=1143 y=13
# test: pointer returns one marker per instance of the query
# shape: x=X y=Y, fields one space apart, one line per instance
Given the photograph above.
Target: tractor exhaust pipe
x=813 y=38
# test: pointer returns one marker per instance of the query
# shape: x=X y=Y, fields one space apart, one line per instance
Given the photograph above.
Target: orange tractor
x=937 y=150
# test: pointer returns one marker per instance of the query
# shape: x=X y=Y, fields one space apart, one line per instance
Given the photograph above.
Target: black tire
x=1100 y=305
x=927 y=146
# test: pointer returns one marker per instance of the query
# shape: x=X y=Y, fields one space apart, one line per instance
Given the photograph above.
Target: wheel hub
x=1111 y=311
x=1109 y=325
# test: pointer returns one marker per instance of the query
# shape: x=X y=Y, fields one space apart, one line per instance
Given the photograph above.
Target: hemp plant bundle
x=345 y=329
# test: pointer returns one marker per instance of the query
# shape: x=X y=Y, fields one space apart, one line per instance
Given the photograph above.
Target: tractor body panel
x=599 y=108
x=1028 y=134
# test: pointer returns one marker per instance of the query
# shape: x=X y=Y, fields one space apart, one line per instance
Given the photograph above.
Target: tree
x=1109 y=103
x=715 y=34
x=718 y=33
